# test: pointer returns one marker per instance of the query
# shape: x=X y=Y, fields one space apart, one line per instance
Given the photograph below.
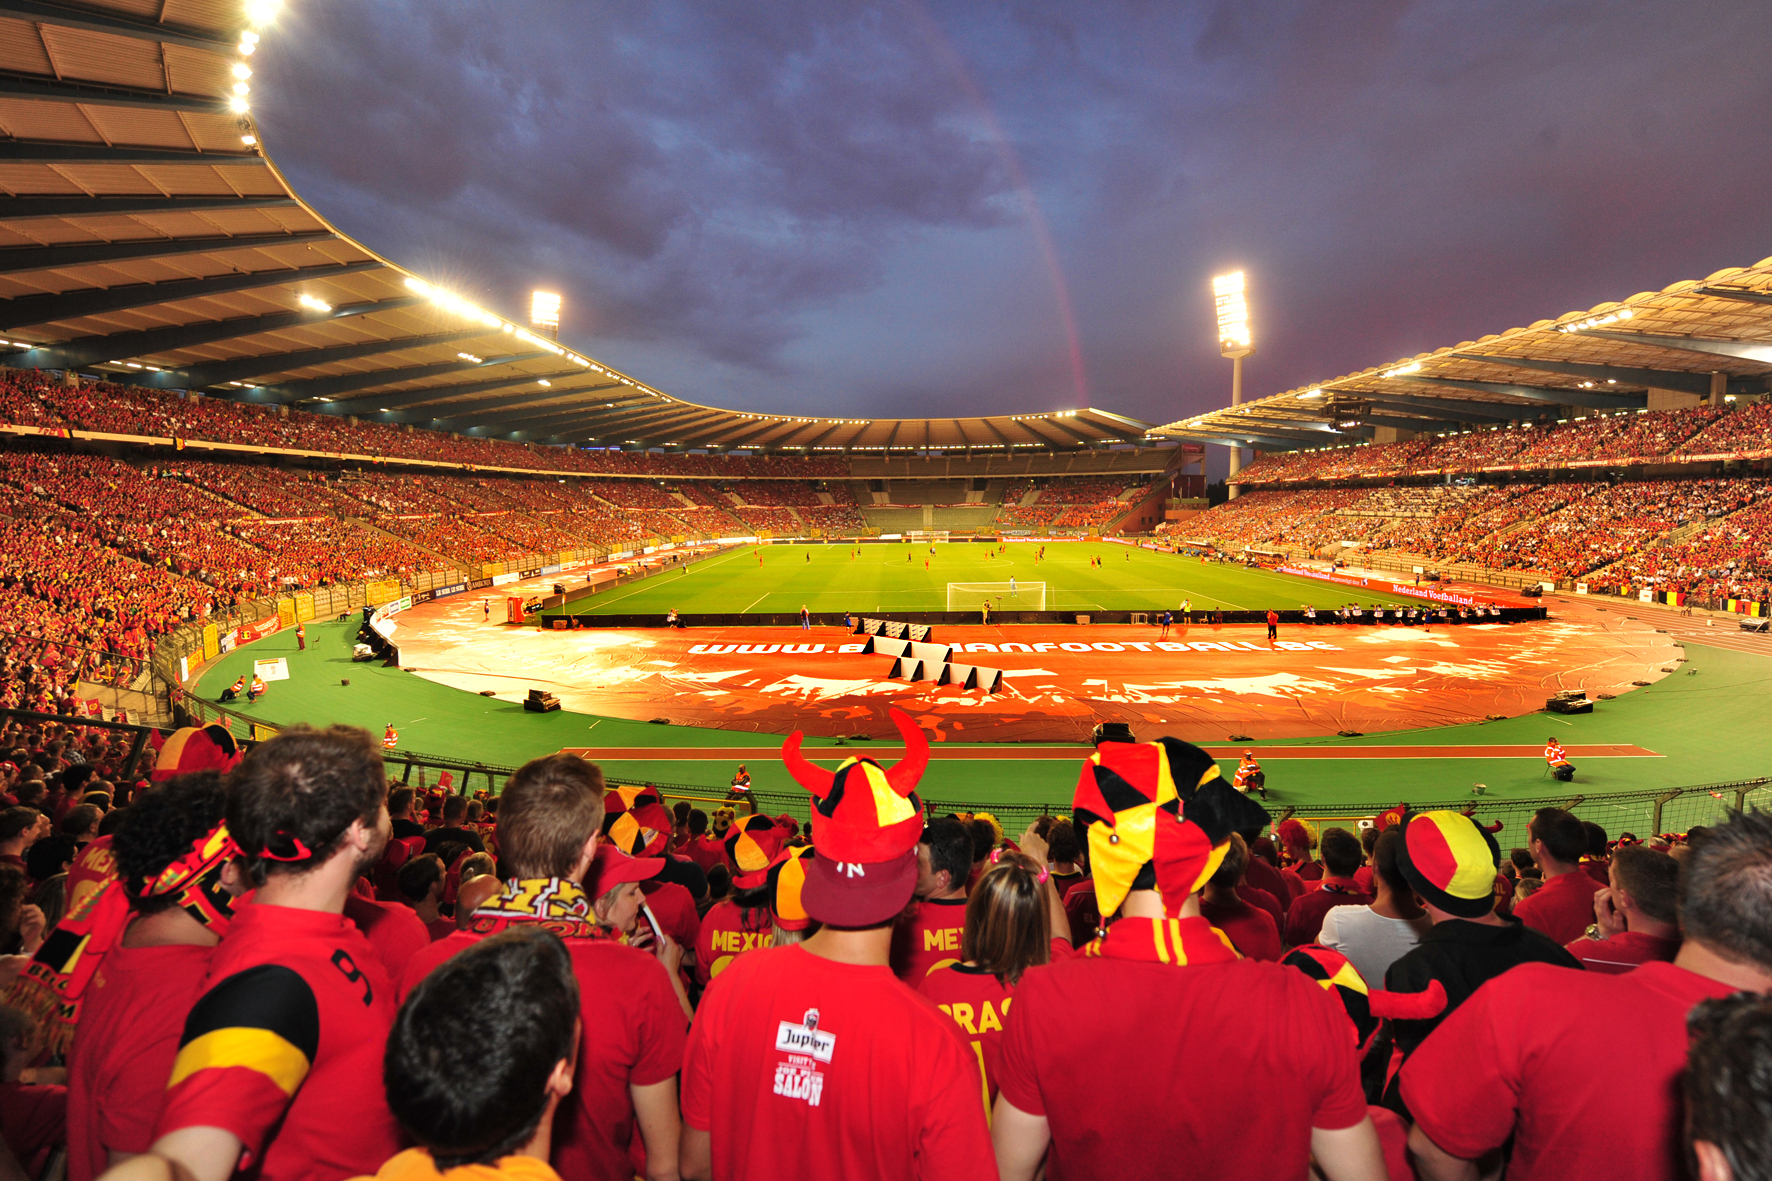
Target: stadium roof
x=145 y=235
x=1709 y=337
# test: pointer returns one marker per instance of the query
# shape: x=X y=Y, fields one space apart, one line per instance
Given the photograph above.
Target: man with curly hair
x=173 y=890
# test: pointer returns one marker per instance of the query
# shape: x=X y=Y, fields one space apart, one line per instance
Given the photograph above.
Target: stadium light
x=308 y=301
x=1235 y=341
x=544 y=311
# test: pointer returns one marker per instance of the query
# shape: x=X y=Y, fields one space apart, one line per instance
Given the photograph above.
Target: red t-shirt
x=393 y=930
x=1304 y=921
x=927 y=937
x=675 y=910
x=727 y=933
x=802 y=1067
x=1597 y=868
x=706 y=852
x=1363 y=879
x=1251 y=928
x=1080 y=908
x=1263 y=876
x=978 y=1004
x=633 y=1034
x=1515 y=1059
x=130 y=1023
x=443 y=928
x=1562 y=908
x=1265 y=902
x=1113 y=1117
x=284 y=1047
x=1623 y=952
x=1295 y=887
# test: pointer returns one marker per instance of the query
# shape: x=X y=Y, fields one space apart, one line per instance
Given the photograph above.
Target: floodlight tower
x=544 y=312
x=1234 y=342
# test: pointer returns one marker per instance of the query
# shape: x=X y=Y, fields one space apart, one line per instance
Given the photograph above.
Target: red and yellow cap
x=1365 y=1009
x=1450 y=860
x=643 y=830
x=787 y=878
x=751 y=845
x=1157 y=815
x=197 y=748
x=866 y=820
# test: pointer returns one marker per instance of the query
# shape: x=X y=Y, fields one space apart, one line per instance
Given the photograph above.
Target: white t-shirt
x=1370 y=941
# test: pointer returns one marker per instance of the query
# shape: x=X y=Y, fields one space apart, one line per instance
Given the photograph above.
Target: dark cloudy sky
x=901 y=208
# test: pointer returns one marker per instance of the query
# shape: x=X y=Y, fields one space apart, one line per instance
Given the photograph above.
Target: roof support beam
x=628 y=416
x=24 y=310
x=1736 y=293
x=1622 y=400
x=48 y=153
x=18 y=260
x=93 y=350
x=473 y=417
x=57 y=91
x=1242 y=438
x=431 y=394
x=118 y=26
x=1683 y=381
x=45 y=208
x=1458 y=410
x=1243 y=426
x=1746 y=350
x=1425 y=425
x=345 y=383
x=241 y=368
x=699 y=428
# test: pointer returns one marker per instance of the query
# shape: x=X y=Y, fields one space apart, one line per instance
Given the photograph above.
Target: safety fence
x=1669 y=810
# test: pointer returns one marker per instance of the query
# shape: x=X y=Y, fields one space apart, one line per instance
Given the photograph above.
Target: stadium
x=253 y=421
x=430 y=744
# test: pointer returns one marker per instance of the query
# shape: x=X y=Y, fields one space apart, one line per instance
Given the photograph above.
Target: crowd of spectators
x=30 y=398
x=1730 y=558
x=1619 y=435
x=570 y=980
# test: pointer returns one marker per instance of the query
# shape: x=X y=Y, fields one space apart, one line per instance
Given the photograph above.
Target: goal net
x=1001 y=596
x=927 y=535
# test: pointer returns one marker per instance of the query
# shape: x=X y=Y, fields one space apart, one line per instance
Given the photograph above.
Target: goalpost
x=1002 y=596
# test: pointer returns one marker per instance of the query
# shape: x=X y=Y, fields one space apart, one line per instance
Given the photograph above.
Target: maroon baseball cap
x=858 y=894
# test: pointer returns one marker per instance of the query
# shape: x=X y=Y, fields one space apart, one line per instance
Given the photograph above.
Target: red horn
x=907 y=771
x=1409 y=1006
x=813 y=779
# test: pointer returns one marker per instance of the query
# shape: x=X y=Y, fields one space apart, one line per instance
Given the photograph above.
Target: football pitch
x=883 y=578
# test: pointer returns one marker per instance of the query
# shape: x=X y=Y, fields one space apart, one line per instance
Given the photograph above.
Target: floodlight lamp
x=544 y=309
x=1311 y=394
x=242 y=71
x=238 y=105
x=262 y=12
x=1228 y=300
x=308 y=301
x=249 y=140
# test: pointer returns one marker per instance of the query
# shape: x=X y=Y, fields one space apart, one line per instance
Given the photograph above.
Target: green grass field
x=830 y=579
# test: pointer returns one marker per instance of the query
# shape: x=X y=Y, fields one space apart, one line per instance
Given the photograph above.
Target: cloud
x=841 y=206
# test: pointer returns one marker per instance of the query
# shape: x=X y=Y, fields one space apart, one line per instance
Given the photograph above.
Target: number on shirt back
x=341 y=959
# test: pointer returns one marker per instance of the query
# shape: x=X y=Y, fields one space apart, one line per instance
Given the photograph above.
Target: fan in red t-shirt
x=1341 y=857
x=1563 y=907
x=1014 y=921
x=172 y=852
x=621 y=1114
x=1636 y=919
x=741 y=923
x=1163 y=986
x=927 y=935
x=279 y=1065
x=813 y=1060
x=1504 y=1066
x=1251 y=929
